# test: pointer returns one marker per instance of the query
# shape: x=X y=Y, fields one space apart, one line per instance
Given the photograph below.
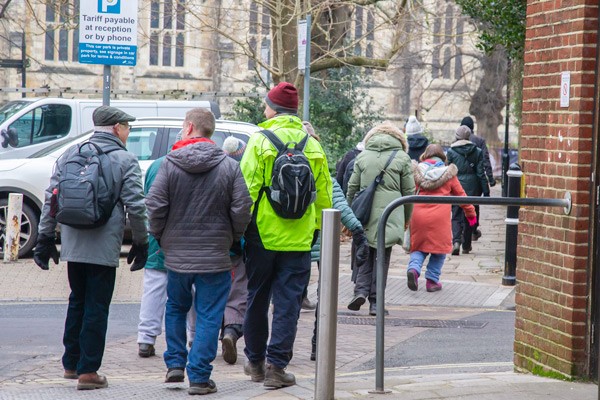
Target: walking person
x=468 y=158
x=92 y=253
x=198 y=208
x=430 y=224
x=277 y=246
x=385 y=150
x=487 y=166
x=417 y=142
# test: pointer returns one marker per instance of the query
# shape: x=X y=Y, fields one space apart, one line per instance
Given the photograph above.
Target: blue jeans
x=87 y=316
x=282 y=277
x=434 y=267
x=209 y=302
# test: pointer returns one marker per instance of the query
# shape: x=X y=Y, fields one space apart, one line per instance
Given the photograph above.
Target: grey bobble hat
x=462 y=133
x=413 y=126
x=108 y=116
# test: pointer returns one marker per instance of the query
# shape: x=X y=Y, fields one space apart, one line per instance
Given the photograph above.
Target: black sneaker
x=146 y=350
x=203 y=388
x=256 y=371
x=174 y=375
x=373 y=310
x=276 y=377
x=356 y=302
x=456 y=249
x=476 y=235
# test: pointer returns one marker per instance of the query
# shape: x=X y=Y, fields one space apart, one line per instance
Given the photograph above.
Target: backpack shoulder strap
x=275 y=141
x=302 y=144
x=387 y=164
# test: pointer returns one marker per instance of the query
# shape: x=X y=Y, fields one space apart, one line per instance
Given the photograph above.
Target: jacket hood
x=417 y=141
x=283 y=121
x=384 y=136
x=464 y=147
x=430 y=175
x=197 y=158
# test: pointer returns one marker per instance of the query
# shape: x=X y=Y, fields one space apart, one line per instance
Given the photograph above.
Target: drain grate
x=415 y=323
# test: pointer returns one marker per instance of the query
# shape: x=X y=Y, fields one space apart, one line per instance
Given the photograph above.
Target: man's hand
x=315 y=237
x=362 y=246
x=45 y=249
x=138 y=254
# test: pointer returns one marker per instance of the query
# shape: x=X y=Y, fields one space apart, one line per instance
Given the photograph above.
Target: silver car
x=150 y=138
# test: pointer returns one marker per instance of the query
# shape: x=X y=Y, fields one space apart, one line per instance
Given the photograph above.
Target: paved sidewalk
x=472 y=284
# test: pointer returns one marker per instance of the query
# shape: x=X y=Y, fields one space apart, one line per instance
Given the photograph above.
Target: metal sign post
x=304 y=62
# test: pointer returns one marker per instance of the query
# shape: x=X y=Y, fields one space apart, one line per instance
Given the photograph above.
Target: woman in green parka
x=398 y=181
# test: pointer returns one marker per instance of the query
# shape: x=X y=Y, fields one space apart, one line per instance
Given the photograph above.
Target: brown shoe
x=91 y=381
x=70 y=374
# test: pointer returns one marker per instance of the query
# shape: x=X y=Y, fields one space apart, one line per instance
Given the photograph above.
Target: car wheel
x=29 y=228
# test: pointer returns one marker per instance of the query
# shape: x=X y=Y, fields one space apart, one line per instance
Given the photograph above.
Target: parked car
x=150 y=138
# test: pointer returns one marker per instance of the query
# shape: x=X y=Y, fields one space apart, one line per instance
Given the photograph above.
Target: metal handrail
x=454 y=200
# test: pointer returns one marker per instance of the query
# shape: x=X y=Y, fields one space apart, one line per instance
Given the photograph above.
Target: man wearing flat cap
x=278 y=249
x=92 y=254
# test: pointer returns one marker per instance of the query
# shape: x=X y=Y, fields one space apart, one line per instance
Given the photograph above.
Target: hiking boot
x=433 y=286
x=174 y=375
x=146 y=350
x=203 y=388
x=91 y=381
x=356 y=302
x=70 y=374
x=308 y=305
x=476 y=235
x=412 y=279
x=467 y=250
x=456 y=249
x=256 y=371
x=276 y=377
x=373 y=310
x=228 y=347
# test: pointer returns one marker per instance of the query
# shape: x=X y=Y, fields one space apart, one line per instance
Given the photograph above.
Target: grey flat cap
x=107 y=116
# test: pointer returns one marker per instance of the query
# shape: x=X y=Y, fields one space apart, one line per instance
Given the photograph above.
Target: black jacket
x=487 y=165
x=469 y=161
x=417 y=144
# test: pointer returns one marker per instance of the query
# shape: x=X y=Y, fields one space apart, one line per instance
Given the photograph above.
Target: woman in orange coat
x=430 y=224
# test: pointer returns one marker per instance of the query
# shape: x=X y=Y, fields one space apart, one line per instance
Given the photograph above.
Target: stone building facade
x=557 y=254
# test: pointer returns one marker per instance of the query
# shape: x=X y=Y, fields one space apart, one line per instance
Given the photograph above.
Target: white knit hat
x=413 y=126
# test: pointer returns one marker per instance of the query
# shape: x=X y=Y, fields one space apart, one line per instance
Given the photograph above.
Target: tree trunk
x=285 y=42
x=489 y=100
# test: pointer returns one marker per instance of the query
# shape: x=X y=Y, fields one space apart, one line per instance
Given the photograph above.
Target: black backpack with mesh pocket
x=292 y=188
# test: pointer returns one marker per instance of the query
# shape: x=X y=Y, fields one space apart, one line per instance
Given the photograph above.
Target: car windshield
x=9 y=109
x=60 y=144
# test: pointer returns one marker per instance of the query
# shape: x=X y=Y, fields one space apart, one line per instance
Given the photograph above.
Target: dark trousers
x=87 y=316
x=461 y=231
x=279 y=277
x=366 y=280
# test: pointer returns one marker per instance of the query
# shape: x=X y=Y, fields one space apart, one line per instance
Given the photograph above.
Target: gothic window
x=167 y=36
x=260 y=36
x=61 y=39
x=446 y=62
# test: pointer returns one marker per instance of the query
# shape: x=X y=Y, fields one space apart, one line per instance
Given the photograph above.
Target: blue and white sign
x=108 y=32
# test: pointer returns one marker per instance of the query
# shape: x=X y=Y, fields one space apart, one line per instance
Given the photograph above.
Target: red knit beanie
x=283 y=98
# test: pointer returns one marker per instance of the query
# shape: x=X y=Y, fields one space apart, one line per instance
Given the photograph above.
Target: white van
x=29 y=125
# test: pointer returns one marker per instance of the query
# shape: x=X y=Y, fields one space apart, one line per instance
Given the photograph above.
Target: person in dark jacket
x=468 y=158
x=198 y=207
x=92 y=255
x=417 y=142
x=487 y=165
x=344 y=167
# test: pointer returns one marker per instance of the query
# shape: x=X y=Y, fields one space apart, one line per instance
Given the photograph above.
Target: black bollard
x=514 y=176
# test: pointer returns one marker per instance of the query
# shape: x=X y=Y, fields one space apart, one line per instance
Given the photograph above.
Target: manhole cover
x=416 y=323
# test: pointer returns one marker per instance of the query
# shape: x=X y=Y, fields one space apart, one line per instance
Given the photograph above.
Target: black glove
x=315 y=237
x=236 y=248
x=492 y=182
x=362 y=246
x=139 y=253
x=45 y=249
x=486 y=194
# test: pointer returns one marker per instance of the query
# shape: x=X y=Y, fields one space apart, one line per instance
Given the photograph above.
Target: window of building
x=61 y=39
x=167 y=36
x=260 y=37
x=446 y=60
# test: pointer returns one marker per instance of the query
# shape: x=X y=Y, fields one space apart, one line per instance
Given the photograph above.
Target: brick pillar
x=556 y=154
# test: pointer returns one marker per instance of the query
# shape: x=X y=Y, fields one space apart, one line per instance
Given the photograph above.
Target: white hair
x=107 y=129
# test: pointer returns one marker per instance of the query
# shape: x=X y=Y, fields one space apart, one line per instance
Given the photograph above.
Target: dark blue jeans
x=87 y=316
x=209 y=302
x=280 y=277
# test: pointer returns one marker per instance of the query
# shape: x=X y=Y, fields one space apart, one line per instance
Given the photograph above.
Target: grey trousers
x=366 y=280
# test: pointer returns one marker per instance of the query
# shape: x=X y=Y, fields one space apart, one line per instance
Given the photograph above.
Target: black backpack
x=292 y=188
x=85 y=196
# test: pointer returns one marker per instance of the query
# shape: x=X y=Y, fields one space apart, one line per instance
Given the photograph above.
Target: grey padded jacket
x=198 y=206
x=102 y=245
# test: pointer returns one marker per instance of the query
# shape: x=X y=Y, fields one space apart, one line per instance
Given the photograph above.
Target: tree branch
x=357 y=61
x=4 y=7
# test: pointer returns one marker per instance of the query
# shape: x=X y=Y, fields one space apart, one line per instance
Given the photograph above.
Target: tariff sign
x=565 y=88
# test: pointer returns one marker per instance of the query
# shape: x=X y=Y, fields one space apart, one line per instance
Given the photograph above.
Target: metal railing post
x=454 y=200
x=514 y=176
x=327 y=305
x=12 y=235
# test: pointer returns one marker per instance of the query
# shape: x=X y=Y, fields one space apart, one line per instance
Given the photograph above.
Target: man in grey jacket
x=198 y=206
x=92 y=255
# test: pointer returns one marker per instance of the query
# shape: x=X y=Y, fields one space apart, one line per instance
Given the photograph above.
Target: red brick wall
x=556 y=156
